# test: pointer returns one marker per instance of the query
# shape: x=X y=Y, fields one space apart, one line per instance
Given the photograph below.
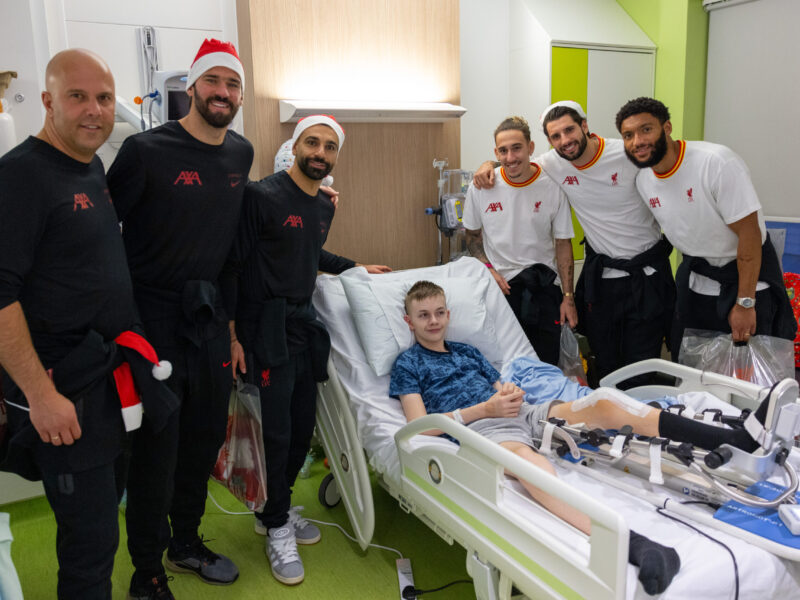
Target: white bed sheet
x=706 y=568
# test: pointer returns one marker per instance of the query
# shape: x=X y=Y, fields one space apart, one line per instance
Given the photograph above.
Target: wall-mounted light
x=371 y=112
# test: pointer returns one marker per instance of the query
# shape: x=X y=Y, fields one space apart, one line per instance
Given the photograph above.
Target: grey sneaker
x=305 y=533
x=283 y=557
x=198 y=559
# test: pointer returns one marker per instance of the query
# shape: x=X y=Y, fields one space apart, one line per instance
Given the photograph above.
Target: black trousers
x=169 y=471
x=618 y=333
x=288 y=415
x=702 y=314
x=85 y=505
x=543 y=327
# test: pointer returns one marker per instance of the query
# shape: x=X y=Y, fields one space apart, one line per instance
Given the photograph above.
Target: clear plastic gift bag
x=763 y=360
x=569 y=358
x=240 y=465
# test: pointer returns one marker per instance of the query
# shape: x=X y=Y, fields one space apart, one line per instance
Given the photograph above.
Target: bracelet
x=567 y=294
x=457 y=416
x=489 y=265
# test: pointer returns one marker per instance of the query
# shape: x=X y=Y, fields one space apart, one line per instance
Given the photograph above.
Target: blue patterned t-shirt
x=446 y=381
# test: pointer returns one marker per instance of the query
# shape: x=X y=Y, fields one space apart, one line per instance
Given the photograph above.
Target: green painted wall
x=679 y=28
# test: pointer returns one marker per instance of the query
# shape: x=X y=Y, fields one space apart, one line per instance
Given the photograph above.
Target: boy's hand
x=505 y=403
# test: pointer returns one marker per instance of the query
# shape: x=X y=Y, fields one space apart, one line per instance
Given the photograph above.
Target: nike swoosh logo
x=235 y=183
x=226 y=364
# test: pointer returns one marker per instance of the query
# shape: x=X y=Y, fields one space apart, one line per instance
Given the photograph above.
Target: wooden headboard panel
x=360 y=50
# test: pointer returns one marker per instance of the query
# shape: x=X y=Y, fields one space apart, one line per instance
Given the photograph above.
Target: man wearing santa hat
x=267 y=284
x=66 y=315
x=178 y=192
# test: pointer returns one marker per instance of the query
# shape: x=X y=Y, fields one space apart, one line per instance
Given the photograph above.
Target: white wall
x=752 y=94
x=23 y=48
x=484 y=77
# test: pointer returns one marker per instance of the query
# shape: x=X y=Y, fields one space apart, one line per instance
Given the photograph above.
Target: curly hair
x=642 y=105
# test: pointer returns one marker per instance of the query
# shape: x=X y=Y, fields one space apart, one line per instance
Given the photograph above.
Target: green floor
x=335 y=568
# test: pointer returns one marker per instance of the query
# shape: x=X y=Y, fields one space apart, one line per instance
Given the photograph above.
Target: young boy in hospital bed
x=454 y=379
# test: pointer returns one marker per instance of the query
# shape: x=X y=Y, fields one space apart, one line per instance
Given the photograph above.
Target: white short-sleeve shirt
x=604 y=197
x=707 y=189
x=519 y=221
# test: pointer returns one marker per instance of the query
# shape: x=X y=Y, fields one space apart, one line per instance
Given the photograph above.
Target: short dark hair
x=643 y=104
x=561 y=111
x=421 y=291
x=515 y=124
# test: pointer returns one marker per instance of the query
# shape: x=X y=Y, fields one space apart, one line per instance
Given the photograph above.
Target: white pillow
x=376 y=304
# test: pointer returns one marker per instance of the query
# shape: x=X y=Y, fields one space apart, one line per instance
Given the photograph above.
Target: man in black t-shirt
x=178 y=192
x=65 y=298
x=267 y=283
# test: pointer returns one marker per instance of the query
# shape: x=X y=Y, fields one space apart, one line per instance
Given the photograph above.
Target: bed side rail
x=464 y=492
x=742 y=394
x=339 y=436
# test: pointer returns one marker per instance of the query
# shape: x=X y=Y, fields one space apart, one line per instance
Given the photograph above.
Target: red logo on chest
x=494 y=207
x=570 y=180
x=536 y=206
x=689 y=195
x=614 y=180
x=188 y=178
x=294 y=221
x=265 y=378
x=82 y=201
x=654 y=202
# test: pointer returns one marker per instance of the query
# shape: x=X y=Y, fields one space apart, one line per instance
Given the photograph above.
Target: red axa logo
x=570 y=180
x=188 y=178
x=82 y=201
x=689 y=195
x=654 y=202
x=537 y=205
x=265 y=378
x=494 y=207
x=614 y=180
x=294 y=221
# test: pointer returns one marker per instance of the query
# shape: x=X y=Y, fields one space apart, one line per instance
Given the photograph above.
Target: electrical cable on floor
x=412 y=593
x=662 y=512
x=339 y=527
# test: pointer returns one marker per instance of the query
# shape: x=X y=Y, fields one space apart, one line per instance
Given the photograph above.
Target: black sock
x=706 y=435
x=657 y=564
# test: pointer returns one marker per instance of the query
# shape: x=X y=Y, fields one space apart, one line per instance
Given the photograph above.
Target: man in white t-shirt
x=701 y=194
x=625 y=294
x=521 y=229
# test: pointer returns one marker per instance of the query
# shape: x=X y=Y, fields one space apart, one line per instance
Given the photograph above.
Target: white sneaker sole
x=281 y=578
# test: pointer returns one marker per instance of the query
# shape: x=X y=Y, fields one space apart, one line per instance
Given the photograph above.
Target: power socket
x=405 y=577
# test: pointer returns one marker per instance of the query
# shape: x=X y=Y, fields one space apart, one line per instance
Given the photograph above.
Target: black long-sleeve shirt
x=278 y=248
x=61 y=253
x=179 y=201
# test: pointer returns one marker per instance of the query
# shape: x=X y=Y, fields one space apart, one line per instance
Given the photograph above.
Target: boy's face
x=428 y=319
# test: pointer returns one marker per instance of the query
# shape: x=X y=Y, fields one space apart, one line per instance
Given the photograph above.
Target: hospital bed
x=461 y=491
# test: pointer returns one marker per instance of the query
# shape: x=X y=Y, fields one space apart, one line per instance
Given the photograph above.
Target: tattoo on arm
x=475 y=244
x=565 y=263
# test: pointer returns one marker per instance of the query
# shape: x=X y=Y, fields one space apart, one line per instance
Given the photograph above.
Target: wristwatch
x=745 y=302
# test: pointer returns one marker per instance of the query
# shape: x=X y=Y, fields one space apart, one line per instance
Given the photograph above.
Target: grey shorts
x=522 y=428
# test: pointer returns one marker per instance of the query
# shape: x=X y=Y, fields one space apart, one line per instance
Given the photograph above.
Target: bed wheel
x=329 y=492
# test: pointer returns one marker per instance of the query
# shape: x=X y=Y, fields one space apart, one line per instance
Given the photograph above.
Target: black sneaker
x=198 y=559
x=154 y=589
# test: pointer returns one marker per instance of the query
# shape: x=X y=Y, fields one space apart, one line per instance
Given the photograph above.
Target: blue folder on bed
x=761 y=521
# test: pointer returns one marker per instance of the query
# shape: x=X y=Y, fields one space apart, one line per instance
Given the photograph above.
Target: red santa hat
x=565 y=103
x=312 y=120
x=214 y=53
x=128 y=396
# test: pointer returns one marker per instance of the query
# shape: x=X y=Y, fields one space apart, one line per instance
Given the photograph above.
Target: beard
x=659 y=151
x=314 y=173
x=581 y=149
x=216 y=119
